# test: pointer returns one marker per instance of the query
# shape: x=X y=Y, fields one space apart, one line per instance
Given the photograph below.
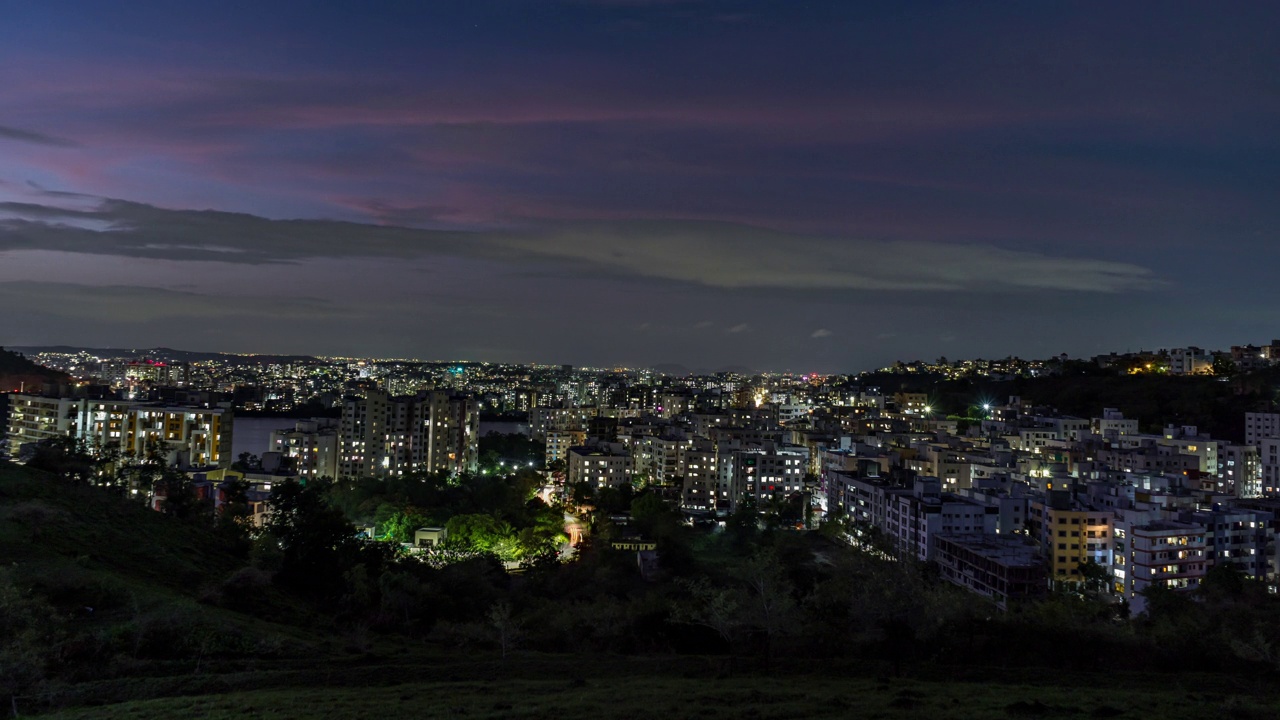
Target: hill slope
x=17 y=372
x=98 y=587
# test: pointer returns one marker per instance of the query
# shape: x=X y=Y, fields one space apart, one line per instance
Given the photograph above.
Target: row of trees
x=142 y=477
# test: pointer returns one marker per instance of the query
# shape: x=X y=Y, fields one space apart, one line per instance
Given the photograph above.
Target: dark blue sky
x=806 y=185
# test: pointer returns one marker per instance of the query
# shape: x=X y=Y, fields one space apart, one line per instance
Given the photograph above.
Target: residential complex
x=183 y=436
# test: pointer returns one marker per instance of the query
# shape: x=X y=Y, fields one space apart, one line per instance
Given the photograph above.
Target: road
x=572 y=528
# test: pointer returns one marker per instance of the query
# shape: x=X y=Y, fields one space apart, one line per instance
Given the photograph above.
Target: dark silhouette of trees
x=316 y=543
x=67 y=457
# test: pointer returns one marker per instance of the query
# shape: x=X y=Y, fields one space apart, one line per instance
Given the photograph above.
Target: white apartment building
x=607 y=465
x=312 y=444
x=702 y=489
x=434 y=431
x=1260 y=425
x=1163 y=552
x=186 y=436
x=559 y=442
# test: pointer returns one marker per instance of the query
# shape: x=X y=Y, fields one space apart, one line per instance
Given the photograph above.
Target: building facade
x=433 y=431
x=183 y=436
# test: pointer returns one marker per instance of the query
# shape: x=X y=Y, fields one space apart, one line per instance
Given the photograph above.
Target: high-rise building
x=33 y=418
x=313 y=446
x=1259 y=426
x=701 y=489
x=453 y=433
x=1269 y=458
x=1240 y=471
x=433 y=431
x=768 y=472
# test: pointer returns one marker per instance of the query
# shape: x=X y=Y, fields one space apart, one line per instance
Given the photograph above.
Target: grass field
x=647 y=696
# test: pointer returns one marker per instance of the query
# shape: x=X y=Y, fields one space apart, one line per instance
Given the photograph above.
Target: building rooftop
x=1005 y=549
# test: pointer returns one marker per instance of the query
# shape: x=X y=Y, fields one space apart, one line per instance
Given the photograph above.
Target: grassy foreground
x=650 y=697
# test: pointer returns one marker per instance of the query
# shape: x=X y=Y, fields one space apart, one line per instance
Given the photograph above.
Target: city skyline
x=827 y=187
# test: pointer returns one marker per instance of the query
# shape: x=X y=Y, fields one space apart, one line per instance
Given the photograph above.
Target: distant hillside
x=17 y=372
x=168 y=354
x=14 y=363
x=678 y=370
x=1215 y=405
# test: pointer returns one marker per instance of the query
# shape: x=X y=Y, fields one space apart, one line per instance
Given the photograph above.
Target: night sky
x=814 y=186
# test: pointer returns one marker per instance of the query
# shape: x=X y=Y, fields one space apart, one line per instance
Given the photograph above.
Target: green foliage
x=1083 y=389
x=1224 y=366
x=1094 y=577
x=743 y=525
x=316 y=543
x=67 y=457
x=499 y=452
x=180 y=499
x=506 y=629
x=436 y=496
x=402 y=524
x=484 y=534
x=648 y=509
x=614 y=500
x=29 y=629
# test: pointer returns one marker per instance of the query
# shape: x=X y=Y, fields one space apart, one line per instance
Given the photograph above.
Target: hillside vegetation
x=16 y=371
x=112 y=610
x=1215 y=405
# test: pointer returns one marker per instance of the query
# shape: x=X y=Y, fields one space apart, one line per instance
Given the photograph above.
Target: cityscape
x=1008 y=498
x=964 y=474
x=534 y=359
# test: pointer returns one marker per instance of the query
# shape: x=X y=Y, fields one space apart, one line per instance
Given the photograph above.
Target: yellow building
x=912 y=403
x=1071 y=537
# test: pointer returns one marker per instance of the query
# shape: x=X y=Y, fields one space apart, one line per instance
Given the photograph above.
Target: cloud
x=734 y=256
x=130 y=305
x=711 y=254
x=739 y=328
x=821 y=333
x=118 y=227
x=702 y=325
x=30 y=136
